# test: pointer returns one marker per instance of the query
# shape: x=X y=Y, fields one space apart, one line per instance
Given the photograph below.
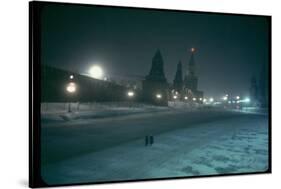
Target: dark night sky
x=230 y=48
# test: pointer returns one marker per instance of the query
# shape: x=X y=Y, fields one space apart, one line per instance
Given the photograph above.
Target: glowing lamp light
x=200 y=99
x=71 y=77
x=158 y=96
x=238 y=97
x=131 y=94
x=247 y=100
x=175 y=97
x=194 y=99
x=185 y=97
x=224 y=98
x=71 y=87
x=192 y=49
x=204 y=100
x=96 y=72
x=211 y=100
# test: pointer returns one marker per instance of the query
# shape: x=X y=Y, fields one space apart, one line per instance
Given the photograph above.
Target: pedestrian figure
x=151 y=140
x=146 y=140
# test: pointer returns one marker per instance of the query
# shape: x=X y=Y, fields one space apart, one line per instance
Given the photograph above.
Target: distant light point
x=192 y=49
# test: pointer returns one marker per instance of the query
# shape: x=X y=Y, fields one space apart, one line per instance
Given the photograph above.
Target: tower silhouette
x=155 y=85
x=191 y=80
x=178 y=81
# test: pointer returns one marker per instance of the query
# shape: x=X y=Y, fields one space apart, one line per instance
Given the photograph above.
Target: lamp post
x=71 y=89
x=130 y=95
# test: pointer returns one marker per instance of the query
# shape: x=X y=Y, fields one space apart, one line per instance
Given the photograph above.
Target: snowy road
x=186 y=144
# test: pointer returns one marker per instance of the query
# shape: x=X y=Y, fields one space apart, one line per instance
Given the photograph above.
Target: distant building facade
x=54 y=82
x=254 y=96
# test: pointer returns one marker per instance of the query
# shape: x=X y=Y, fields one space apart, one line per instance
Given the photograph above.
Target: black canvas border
x=35 y=8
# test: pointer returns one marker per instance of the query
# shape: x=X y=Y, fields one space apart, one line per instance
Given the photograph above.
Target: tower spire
x=191 y=65
x=178 y=82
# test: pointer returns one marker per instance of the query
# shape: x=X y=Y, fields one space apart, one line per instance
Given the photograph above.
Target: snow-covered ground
x=59 y=112
x=205 y=142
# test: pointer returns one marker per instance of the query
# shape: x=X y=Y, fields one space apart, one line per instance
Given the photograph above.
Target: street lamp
x=224 y=98
x=70 y=88
x=185 y=97
x=211 y=100
x=130 y=94
x=237 y=97
x=175 y=97
x=158 y=96
x=194 y=99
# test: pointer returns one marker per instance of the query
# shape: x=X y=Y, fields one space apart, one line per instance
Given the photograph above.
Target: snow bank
x=59 y=112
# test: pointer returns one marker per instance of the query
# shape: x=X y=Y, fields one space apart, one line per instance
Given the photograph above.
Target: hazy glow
x=238 y=97
x=71 y=77
x=158 y=96
x=130 y=93
x=71 y=87
x=96 y=72
x=175 y=97
x=185 y=98
x=194 y=99
x=224 y=98
x=247 y=100
x=211 y=100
